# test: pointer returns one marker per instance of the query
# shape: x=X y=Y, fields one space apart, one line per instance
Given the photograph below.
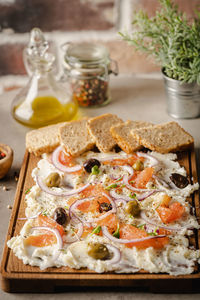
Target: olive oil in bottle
x=43 y=101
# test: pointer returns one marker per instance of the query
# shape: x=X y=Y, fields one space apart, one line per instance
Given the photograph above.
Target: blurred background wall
x=75 y=20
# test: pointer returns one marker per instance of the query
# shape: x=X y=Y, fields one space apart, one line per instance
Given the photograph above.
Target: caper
x=53 y=179
x=98 y=251
x=133 y=208
x=138 y=165
x=179 y=180
x=89 y=164
x=104 y=207
x=60 y=216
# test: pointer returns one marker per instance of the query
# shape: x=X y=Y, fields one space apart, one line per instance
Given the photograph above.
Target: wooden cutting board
x=17 y=277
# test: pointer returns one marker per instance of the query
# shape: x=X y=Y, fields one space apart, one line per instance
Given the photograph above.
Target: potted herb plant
x=174 y=42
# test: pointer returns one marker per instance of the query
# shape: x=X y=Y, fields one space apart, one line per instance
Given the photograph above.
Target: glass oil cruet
x=43 y=100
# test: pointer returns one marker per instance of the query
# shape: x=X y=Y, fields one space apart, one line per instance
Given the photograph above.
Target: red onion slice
x=75 y=204
x=148 y=220
x=161 y=182
x=127 y=199
x=76 y=236
x=46 y=189
x=146 y=195
x=119 y=196
x=112 y=157
x=116 y=254
x=61 y=167
x=92 y=220
x=134 y=189
x=73 y=215
x=54 y=231
x=152 y=159
x=129 y=170
x=107 y=234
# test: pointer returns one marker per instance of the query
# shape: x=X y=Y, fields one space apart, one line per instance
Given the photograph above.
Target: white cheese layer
x=175 y=258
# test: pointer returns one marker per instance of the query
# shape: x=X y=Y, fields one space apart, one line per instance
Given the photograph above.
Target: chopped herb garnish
x=141 y=226
x=120 y=178
x=154 y=233
x=116 y=233
x=112 y=186
x=132 y=196
x=95 y=170
x=96 y=230
x=27 y=191
x=158 y=205
x=44 y=213
x=122 y=186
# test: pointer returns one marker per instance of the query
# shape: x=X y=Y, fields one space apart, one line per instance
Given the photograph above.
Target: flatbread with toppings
x=109 y=211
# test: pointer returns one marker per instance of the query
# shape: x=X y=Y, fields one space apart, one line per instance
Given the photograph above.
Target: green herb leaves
x=116 y=233
x=27 y=191
x=112 y=186
x=170 y=39
x=95 y=170
x=96 y=230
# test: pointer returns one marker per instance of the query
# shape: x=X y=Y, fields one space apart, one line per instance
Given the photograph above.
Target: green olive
x=53 y=180
x=133 y=208
x=138 y=165
x=98 y=251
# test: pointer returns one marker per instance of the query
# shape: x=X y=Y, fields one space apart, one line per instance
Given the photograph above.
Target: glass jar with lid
x=87 y=67
x=43 y=100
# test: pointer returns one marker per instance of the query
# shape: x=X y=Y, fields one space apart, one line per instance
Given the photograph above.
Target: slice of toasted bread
x=75 y=137
x=122 y=134
x=164 y=138
x=43 y=140
x=99 y=128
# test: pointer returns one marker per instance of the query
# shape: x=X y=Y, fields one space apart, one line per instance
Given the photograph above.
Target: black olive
x=60 y=216
x=117 y=149
x=104 y=206
x=89 y=164
x=179 y=180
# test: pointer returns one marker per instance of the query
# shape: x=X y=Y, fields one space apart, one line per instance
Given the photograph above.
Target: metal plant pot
x=183 y=99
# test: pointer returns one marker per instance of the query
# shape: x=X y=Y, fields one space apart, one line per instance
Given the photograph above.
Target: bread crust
x=122 y=134
x=164 y=138
x=75 y=137
x=99 y=129
x=44 y=139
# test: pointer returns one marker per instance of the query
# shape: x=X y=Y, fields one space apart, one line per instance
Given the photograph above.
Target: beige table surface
x=134 y=98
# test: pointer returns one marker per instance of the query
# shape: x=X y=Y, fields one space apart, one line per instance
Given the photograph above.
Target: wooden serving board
x=17 y=277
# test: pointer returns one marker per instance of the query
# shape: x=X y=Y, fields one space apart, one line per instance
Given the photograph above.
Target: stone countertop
x=137 y=98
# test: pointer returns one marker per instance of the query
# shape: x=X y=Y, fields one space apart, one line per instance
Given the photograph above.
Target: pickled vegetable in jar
x=43 y=101
x=87 y=67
